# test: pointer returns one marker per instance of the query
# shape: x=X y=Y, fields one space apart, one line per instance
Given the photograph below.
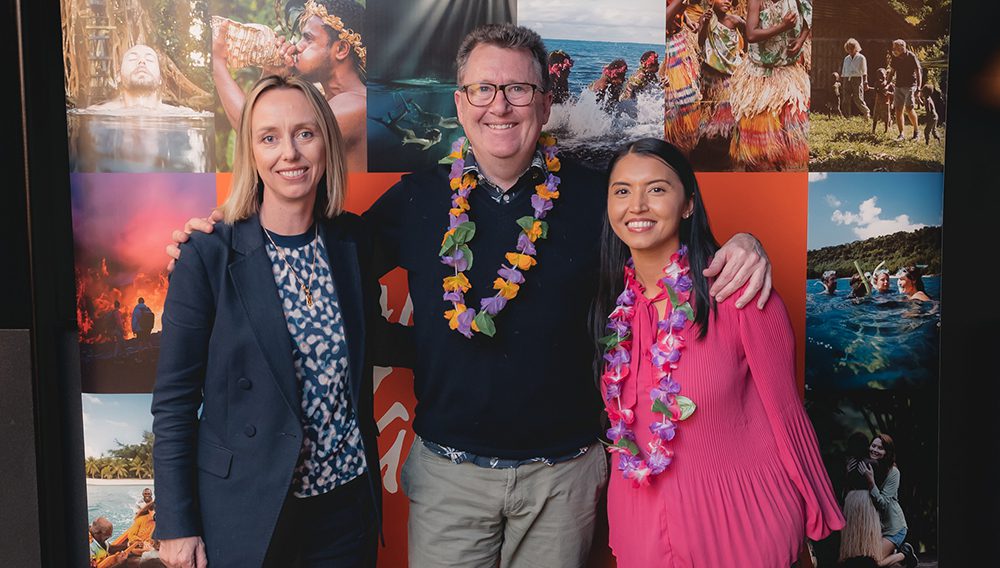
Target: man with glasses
x=507 y=469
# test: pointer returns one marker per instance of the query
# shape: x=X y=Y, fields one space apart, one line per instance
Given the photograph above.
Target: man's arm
x=742 y=260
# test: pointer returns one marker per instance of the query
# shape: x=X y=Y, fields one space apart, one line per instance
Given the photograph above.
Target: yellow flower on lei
x=507 y=288
x=552 y=164
x=543 y=191
x=535 y=231
x=520 y=261
x=456 y=282
x=452 y=315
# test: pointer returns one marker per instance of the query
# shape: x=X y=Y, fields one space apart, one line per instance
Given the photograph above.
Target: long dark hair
x=694 y=232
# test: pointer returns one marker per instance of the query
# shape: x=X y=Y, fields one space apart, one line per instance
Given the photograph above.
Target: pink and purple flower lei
x=455 y=251
x=665 y=355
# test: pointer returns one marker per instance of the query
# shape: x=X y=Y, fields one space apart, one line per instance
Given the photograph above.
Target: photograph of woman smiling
x=265 y=330
x=738 y=482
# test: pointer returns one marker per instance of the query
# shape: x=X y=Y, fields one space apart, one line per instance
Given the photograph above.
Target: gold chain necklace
x=306 y=288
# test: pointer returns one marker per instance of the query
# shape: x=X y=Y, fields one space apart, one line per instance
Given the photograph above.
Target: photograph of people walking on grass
x=879 y=86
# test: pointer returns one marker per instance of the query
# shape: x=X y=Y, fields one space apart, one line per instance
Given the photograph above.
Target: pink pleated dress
x=746 y=484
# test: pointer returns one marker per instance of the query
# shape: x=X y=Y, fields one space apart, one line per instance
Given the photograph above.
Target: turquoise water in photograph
x=116 y=502
x=882 y=341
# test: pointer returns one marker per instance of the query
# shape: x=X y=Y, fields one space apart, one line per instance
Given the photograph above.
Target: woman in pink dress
x=739 y=481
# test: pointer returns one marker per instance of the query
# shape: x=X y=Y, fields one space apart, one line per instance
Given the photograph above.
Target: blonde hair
x=245 y=189
x=862 y=534
x=852 y=42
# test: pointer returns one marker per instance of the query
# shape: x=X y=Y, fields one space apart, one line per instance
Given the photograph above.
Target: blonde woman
x=264 y=331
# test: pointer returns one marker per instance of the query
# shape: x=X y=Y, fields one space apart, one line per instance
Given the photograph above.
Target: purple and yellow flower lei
x=665 y=354
x=455 y=251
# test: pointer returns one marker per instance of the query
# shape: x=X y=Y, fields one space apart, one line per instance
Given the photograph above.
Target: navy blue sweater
x=529 y=391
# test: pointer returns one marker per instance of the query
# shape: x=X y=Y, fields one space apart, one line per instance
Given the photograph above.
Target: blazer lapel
x=342 y=255
x=254 y=281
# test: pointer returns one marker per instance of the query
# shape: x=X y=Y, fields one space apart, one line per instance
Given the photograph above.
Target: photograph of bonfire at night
x=121 y=223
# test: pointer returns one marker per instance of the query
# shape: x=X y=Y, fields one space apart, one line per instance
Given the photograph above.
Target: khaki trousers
x=532 y=516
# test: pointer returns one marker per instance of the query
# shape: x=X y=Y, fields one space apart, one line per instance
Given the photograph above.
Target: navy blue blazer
x=225 y=474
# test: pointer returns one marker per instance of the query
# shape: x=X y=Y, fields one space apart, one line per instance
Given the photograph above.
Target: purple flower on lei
x=612 y=391
x=619 y=431
x=456 y=168
x=541 y=206
x=617 y=357
x=493 y=304
x=465 y=322
x=456 y=221
x=658 y=462
x=664 y=430
x=626 y=298
x=457 y=260
x=454 y=296
x=619 y=327
x=629 y=463
x=524 y=244
x=512 y=274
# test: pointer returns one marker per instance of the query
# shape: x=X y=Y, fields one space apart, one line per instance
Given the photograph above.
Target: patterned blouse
x=332 y=452
x=773 y=52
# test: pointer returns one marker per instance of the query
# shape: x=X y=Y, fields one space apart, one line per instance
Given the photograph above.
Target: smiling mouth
x=504 y=126
x=292 y=174
x=639 y=225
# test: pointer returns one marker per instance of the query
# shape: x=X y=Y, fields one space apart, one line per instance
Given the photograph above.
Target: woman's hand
x=186 y=552
x=220 y=51
x=869 y=473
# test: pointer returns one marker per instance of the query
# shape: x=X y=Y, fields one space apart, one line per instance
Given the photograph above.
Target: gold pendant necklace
x=303 y=287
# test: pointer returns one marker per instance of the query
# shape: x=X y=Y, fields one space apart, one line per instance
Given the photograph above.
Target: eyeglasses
x=517 y=94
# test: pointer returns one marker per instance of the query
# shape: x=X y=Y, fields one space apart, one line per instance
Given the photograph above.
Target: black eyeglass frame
x=501 y=88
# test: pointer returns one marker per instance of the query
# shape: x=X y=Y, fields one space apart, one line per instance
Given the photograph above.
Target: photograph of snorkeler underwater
x=499 y=282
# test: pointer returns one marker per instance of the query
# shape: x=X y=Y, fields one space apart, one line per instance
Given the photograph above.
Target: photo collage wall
x=824 y=141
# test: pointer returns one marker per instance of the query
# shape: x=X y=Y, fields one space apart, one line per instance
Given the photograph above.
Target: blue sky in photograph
x=110 y=417
x=848 y=207
x=635 y=21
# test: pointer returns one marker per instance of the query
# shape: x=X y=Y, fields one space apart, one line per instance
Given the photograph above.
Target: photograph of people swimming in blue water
x=873 y=285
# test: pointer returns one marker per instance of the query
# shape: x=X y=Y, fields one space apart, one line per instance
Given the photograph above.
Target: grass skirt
x=682 y=96
x=771 y=109
x=717 y=119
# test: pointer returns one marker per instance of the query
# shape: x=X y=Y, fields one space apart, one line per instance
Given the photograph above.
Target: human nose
x=500 y=104
x=289 y=149
x=637 y=202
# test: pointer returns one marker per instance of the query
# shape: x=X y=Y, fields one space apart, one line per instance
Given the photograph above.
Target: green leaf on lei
x=660 y=408
x=465 y=232
x=688 y=310
x=687 y=406
x=467 y=254
x=526 y=222
x=484 y=322
x=449 y=243
x=610 y=341
x=629 y=445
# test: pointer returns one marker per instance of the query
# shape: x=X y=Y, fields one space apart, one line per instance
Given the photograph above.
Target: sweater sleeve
x=769 y=344
x=889 y=492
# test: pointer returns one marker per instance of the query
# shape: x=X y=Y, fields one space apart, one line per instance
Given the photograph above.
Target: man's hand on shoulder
x=186 y=552
x=740 y=261
x=180 y=236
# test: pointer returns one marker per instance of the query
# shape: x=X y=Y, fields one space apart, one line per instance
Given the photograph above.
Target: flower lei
x=455 y=251
x=665 y=353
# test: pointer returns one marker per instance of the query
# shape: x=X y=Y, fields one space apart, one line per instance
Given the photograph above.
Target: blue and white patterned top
x=332 y=453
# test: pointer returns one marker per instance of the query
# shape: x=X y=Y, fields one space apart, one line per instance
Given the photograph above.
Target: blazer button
x=244 y=383
x=249 y=430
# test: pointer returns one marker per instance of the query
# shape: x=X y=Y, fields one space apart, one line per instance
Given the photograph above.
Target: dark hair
x=888 y=461
x=142 y=301
x=616 y=64
x=352 y=15
x=694 y=232
x=558 y=56
x=507 y=36
x=857 y=446
x=915 y=275
x=646 y=55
